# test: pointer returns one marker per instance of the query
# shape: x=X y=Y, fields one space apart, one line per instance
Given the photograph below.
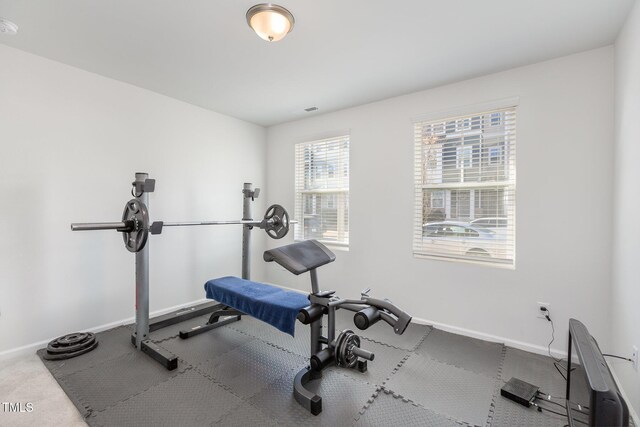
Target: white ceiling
x=340 y=53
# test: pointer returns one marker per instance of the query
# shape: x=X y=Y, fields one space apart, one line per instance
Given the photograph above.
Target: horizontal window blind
x=465 y=187
x=322 y=190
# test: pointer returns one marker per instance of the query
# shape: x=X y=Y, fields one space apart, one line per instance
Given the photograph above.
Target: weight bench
x=281 y=308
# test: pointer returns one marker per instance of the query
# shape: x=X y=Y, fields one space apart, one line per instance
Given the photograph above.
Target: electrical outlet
x=634 y=357
x=543 y=313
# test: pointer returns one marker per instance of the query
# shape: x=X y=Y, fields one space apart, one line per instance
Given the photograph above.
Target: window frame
x=494 y=160
x=440 y=197
x=503 y=153
x=327 y=172
x=464 y=155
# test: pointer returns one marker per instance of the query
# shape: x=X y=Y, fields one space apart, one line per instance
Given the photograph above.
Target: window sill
x=499 y=265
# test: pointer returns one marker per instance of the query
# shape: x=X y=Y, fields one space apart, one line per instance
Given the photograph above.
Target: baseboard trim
x=33 y=347
x=521 y=345
x=538 y=349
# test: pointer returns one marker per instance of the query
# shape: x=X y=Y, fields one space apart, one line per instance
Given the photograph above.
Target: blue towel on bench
x=271 y=304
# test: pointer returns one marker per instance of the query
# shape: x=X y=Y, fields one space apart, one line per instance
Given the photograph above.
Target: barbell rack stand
x=144 y=325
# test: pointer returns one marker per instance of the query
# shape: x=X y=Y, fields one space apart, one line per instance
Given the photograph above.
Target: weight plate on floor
x=58 y=346
x=71 y=345
x=277 y=219
x=69 y=355
x=135 y=239
x=72 y=338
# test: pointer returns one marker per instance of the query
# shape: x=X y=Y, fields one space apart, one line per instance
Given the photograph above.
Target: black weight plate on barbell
x=280 y=225
x=135 y=239
x=344 y=357
x=338 y=349
x=352 y=341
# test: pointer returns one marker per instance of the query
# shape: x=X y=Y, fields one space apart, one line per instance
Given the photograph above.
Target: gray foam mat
x=188 y=399
x=206 y=346
x=535 y=369
x=242 y=374
x=300 y=344
x=474 y=355
x=76 y=398
x=386 y=410
x=342 y=400
x=246 y=415
x=383 y=333
x=111 y=344
x=248 y=369
x=107 y=383
x=386 y=360
x=509 y=413
x=445 y=389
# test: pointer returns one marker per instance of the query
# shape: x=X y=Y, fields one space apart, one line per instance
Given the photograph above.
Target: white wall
x=70 y=143
x=564 y=170
x=626 y=241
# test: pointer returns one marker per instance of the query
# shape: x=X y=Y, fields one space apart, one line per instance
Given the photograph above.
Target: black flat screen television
x=593 y=398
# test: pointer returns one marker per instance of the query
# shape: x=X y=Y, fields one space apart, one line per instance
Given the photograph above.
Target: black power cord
x=618 y=357
x=549 y=396
x=541 y=409
x=553 y=338
x=556 y=365
x=547 y=399
x=553 y=334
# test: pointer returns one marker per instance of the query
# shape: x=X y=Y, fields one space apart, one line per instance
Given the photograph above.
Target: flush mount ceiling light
x=8 y=27
x=270 y=21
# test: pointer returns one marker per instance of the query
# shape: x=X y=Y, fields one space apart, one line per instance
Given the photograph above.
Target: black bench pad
x=301 y=257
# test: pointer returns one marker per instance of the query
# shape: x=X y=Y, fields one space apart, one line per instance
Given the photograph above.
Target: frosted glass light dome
x=270 y=21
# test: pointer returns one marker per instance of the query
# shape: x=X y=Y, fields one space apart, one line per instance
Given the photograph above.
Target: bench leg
x=307 y=399
x=213 y=322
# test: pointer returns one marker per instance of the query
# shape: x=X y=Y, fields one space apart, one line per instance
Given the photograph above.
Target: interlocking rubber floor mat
x=242 y=374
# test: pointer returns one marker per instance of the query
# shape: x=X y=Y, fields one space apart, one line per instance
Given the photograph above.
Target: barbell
x=135 y=226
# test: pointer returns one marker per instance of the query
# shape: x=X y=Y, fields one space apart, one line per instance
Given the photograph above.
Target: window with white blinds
x=465 y=187
x=322 y=190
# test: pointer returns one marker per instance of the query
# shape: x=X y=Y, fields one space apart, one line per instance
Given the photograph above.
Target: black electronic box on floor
x=519 y=391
